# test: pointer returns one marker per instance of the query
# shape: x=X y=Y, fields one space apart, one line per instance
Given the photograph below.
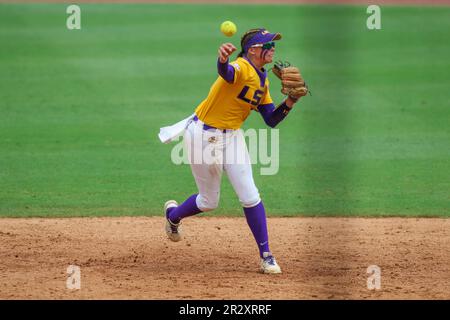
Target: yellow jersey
x=229 y=104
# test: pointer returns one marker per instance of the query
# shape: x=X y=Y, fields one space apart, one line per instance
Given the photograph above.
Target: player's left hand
x=292 y=81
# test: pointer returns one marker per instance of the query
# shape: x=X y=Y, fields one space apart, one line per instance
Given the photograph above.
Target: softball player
x=242 y=86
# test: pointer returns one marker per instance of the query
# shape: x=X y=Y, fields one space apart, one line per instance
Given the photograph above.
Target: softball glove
x=292 y=83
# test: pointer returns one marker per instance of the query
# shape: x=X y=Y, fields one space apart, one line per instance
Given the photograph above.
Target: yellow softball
x=228 y=28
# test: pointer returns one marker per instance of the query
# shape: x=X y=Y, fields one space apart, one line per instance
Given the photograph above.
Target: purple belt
x=206 y=127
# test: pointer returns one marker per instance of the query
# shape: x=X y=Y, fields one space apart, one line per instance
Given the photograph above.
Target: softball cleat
x=172 y=229
x=269 y=265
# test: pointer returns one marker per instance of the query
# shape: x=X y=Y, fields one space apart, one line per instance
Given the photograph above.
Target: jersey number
x=256 y=96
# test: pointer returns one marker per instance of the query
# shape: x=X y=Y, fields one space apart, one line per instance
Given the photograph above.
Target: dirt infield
x=130 y=258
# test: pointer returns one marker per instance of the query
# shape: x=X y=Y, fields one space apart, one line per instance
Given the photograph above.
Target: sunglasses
x=266 y=46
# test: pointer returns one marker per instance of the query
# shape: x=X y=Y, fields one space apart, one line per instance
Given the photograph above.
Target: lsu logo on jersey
x=249 y=97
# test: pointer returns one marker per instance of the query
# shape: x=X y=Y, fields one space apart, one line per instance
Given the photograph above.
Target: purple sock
x=256 y=219
x=186 y=209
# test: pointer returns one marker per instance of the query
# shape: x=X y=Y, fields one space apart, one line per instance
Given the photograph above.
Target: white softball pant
x=210 y=152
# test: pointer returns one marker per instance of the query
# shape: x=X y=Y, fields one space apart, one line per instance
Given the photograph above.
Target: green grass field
x=80 y=110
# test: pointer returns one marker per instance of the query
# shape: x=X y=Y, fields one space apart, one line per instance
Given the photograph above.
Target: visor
x=262 y=36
